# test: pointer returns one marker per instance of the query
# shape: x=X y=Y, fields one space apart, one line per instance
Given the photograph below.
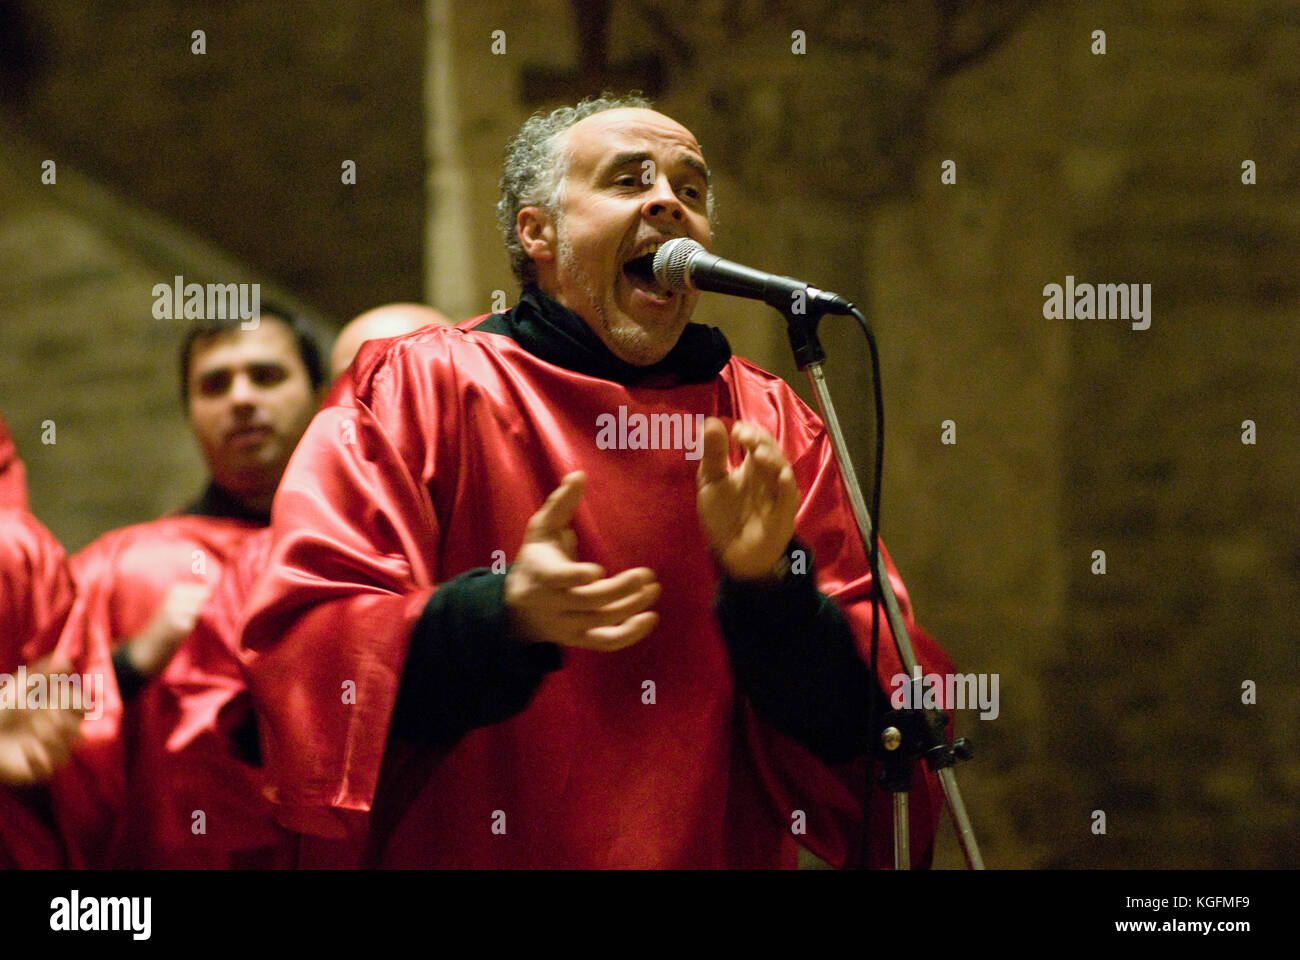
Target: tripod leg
x=965 y=835
x=902 y=857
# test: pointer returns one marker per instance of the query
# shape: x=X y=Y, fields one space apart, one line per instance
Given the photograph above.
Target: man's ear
x=536 y=232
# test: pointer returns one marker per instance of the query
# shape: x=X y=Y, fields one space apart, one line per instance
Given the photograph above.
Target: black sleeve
x=130 y=681
x=795 y=659
x=244 y=740
x=465 y=668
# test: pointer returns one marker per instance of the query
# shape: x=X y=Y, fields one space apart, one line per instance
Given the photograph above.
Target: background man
x=210 y=758
x=461 y=713
x=381 y=323
x=249 y=395
x=35 y=596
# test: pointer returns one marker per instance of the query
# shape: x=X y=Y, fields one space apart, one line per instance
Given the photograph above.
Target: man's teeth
x=641 y=270
x=649 y=251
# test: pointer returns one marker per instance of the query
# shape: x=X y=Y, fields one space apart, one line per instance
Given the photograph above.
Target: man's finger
x=39 y=765
x=571 y=575
x=772 y=468
x=557 y=512
x=789 y=494
x=771 y=456
x=609 y=639
x=599 y=594
x=191 y=594
x=749 y=436
x=615 y=613
x=57 y=745
x=69 y=722
x=713 y=457
x=47 y=727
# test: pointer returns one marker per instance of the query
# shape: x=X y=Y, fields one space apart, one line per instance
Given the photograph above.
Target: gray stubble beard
x=632 y=342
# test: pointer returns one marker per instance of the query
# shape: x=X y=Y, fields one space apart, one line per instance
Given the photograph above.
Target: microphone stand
x=903 y=735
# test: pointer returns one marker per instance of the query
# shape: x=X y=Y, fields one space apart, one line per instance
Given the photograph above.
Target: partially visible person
x=35 y=739
x=248 y=394
x=381 y=323
x=35 y=596
x=13 y=477
x=202 y=704
x=218 y=742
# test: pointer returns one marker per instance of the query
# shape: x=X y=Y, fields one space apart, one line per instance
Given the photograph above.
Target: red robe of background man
x=194 y=730
x=122 y=579
x=431 y=464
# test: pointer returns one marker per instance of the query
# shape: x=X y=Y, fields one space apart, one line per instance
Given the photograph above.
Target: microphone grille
x=673 y=263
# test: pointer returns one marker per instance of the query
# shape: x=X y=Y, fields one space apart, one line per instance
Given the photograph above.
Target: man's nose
x=243 y=392
x=662 y=203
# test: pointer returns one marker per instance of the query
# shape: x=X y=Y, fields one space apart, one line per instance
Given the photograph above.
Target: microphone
x=682 y=264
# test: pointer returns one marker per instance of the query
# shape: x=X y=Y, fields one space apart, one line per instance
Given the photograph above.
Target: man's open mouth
x=249 y=433
x=641 y=271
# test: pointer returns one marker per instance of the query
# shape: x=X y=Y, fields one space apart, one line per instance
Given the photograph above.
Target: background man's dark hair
x=309 y=347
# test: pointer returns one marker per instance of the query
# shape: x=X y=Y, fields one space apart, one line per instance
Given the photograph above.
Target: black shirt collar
x=217 y=501
x=554 y=333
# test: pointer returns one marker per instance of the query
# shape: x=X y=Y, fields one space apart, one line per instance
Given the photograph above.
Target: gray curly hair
x=535 y=169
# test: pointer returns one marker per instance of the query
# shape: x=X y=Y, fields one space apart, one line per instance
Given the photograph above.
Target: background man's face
x=636 y=179
x=250 y=401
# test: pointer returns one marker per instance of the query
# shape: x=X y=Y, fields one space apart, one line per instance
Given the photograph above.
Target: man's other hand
x=551 y=597
x=34 y=742
x=747 y=513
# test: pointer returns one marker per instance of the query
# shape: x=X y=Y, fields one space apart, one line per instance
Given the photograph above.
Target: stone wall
x=88 y=377
x=245 y=142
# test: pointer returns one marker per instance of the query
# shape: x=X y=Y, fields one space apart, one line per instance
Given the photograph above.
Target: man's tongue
x=640 y=270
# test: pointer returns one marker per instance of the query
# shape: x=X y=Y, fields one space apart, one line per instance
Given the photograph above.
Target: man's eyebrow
x=696 y=164
x=625 y=158
x=628 y=157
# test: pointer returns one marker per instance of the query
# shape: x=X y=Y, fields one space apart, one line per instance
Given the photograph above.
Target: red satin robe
x=184 y=758
x=35 y=596
x=430 y=463
x=13 y=478
x=122 y=579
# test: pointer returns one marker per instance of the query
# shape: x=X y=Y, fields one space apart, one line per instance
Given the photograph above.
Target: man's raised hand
x=747 y=513
x=34 y=742
x=152 y=648
x=551 y=597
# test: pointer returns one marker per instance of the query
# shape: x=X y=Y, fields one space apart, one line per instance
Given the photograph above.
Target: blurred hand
x=152 y=648
x=747 y=513
x=35 y=742
x=553 y=598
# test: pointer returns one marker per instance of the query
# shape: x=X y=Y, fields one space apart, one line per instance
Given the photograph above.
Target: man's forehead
x=610 y=132
x=270 y=340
